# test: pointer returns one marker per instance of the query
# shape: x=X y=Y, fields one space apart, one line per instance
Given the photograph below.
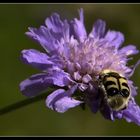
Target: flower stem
x=22 y=103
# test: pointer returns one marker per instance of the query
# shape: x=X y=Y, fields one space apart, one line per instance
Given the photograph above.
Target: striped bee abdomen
x=115 y=88
x=125 y=91
x=115 y=84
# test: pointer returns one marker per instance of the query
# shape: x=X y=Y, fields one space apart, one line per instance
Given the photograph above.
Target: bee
x=115 y=88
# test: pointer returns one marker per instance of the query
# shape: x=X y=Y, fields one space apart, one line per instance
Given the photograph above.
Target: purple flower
x=72 y=62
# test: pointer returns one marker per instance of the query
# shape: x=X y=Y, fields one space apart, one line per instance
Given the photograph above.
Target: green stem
x=22 y=103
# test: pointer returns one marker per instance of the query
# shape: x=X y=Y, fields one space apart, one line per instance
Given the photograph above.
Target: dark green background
x=35 y=119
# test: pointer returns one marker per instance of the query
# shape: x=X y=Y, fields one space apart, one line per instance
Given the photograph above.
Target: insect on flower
x=116 y=89
x=87 y=69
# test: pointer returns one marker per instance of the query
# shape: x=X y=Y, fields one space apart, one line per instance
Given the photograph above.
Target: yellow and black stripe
x=115 y=84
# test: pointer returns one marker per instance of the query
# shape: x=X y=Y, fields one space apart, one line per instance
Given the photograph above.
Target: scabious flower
x=72 y=62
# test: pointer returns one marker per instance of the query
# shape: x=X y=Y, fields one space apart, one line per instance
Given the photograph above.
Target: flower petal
x=98 y=30
x=79 y=27
x=132 y=88
x=114 y=38
x=77 y=75
x=58 y=26
x=61 y=101
x=131 y=114
x=86 y=78
x=129 y=50
x=45 y=37
x=36 y=84
x=59 y=78
x=66 y=103
x=38 y=60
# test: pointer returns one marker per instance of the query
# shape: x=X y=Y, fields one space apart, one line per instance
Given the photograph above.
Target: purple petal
x=59 y=78
x=77 y=75
x=132 y=88
x=34 y=85
x=79 y=27
x=58 y=26
x=129 y=50
x=45 y=37
x=61 y=101
x=37 y=59
x=66 y=103
x=86 y=78
x=38 y=83
x=131 y=114
x=114 y=38
x=98 y=30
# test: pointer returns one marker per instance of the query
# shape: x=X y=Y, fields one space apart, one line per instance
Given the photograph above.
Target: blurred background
x=35 y=119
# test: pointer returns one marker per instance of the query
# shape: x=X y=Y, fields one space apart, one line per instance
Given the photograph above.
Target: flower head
x=72 y=62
